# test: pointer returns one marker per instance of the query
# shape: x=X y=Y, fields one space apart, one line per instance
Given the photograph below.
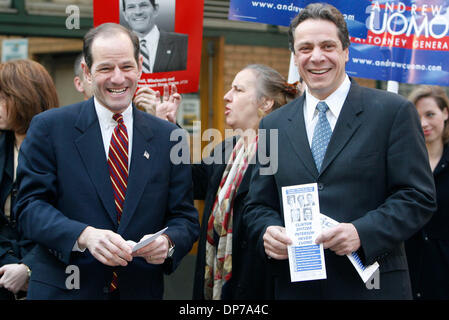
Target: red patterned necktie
x=118 y=171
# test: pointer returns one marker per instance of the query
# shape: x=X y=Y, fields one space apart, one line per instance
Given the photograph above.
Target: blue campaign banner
x=405 y=41
x=281 y=12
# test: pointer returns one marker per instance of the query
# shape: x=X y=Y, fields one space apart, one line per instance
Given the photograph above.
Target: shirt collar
x=335 y=101
x=105 y=115
x=152 y=37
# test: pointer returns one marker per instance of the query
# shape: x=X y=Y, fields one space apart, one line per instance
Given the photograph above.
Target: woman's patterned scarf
x=219 y=228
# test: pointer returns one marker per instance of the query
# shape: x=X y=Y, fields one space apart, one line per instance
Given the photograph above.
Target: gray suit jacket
x=171 y=52
x=375 y=175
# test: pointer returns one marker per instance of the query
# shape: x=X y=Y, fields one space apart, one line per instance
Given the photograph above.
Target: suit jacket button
x=320 y=186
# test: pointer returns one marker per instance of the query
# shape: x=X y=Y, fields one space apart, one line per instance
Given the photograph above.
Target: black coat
x=428 y=250
x=13 y=247
x=375 y=175
x=251 y=277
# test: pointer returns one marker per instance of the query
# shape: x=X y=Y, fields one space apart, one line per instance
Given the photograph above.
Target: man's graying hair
x=320 y=11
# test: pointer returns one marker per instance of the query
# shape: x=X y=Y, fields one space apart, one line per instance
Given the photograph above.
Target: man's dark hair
x=151 y=1
x=320 y=11
x=107 y=29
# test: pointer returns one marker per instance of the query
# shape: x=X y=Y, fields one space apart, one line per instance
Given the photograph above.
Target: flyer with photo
x=303 y=225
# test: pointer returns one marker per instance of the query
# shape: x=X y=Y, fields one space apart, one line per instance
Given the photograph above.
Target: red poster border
x=189 y=20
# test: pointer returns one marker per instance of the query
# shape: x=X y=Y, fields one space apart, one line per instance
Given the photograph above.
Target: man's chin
x=117 y=106
x=141 y=28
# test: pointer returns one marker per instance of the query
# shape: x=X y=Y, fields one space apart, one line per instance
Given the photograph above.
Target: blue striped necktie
x=321 y=135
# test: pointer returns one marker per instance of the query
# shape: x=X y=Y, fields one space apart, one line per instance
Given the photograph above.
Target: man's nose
x=317 y=54
x=117 y=75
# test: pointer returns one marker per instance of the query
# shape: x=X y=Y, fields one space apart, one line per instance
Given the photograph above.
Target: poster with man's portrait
x=170 y=36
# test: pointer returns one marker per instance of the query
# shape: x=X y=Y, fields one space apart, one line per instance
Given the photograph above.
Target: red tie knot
x=118 y=117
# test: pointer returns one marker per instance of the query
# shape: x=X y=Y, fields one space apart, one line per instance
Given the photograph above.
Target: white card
x=143 y=243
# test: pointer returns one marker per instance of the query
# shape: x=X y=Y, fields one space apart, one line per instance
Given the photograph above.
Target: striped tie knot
x=118 y=117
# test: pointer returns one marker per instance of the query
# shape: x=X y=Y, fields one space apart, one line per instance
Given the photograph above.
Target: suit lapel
x=162 y=54
x=297 y=134
x=142 y=157
x=347 y=124
x=90 y=146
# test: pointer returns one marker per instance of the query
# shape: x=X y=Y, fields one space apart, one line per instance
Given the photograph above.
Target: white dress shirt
x=335 y=103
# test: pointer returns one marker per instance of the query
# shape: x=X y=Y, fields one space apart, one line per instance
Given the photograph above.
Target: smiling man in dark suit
x=162 y=51
x=365 y=150
x=96 y=176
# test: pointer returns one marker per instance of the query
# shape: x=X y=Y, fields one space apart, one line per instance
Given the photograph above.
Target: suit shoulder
x=58 y=114
x=284 y=112
x=176 y=39
x=174 y=35
x=373 y=95
x=383 y=102
x=157 y=123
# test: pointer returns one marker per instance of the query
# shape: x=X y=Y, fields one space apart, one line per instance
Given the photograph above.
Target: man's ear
x=139 y=65
x=78 y=84
x=86 y=72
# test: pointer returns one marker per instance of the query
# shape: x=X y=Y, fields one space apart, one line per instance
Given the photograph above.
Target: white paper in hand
x=365 y=272
x=151 y=238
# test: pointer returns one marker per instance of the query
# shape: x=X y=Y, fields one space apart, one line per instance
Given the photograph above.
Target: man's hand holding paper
x=275 y=241
x=106 y=246
x=343 y=239
x=155 y=251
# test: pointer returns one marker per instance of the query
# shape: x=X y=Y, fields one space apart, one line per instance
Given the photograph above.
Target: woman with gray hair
x=225 y=267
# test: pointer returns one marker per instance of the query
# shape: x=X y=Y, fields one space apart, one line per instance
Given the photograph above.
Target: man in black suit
x=373 y=176
x=162 y=51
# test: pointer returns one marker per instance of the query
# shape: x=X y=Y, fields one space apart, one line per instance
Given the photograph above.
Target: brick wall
x=236 y=57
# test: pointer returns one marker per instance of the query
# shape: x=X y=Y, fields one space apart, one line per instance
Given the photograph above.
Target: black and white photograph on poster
x=303 y=225
x=162 y=49
x=170 y=33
